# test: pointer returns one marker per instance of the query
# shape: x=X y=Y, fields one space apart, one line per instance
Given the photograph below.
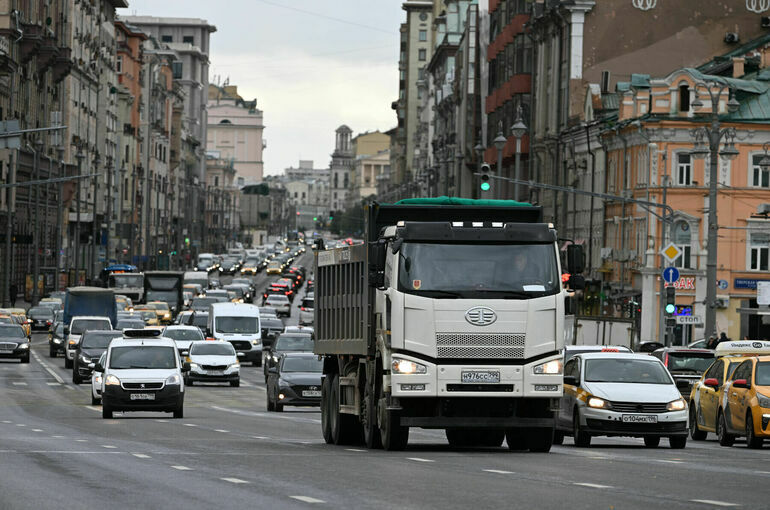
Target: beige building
x=368 y=168
x=367 y=144
x=235 y=131
x=222 y=204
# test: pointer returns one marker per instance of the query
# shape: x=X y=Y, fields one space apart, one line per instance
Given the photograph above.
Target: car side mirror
x=185 y=367
x=66 y=330
x=92 y=365
x=575 y=259
x=571 y=380
x=741 y=383
x=711 y=382
x=98 y=367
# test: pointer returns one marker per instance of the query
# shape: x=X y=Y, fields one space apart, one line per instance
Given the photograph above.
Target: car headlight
x=677 y=405
x=111 y=380
x=255 y=342
x=166 y=315
x=403 y=366
x=552 y=367
x=763 y=401
x=235 y=365
x=598 y=403
x=173 y=379
x=193 y=365
x=57 y=340
x=85 y=359
x=24 y=345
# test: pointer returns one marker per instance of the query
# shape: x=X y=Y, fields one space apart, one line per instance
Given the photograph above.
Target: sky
x=312 y=65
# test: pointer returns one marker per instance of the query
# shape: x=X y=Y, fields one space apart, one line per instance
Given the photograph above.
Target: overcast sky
x=312 y=65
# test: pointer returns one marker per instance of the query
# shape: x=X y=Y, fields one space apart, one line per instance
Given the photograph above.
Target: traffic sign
x=671 y=252
x=670 y=274
x=722 y=284
x=689 y=319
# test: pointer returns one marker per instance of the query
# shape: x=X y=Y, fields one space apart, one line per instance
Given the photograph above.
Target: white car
x=142 y=372
x=76 y=328
x=96 y=382
x=213 y=362
x=306 y=316
x=183 y=336
x=281 y=304
x=620 y=394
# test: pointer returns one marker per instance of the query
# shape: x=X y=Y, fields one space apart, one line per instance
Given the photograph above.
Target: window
x=176 y=70
x=683 y=169
x=716 y=371
x=421 y=55
x=743 y=371
x=682 y=238
x=119 y=65
x=188 y=39
x=684 y=98
x=216 y=181
x=759 y=251
x=423 y=35
x=759 y=176
x=166 y=38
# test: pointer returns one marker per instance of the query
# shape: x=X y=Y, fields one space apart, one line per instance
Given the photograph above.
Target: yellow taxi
x=19 y=315
x=148 y=315
x=707 y=393
x=745 y=409
x=162 y=311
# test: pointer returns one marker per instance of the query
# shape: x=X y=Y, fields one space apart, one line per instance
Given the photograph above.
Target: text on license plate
x=481 y=376
x=311 y=393
x=639 y=418
x=215 y=372
x=143 y=396
x=5 y=352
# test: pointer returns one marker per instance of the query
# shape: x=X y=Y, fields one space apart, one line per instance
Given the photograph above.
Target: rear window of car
x=694 y=362
x=302 y=365
x=131 y=324
x=183 y=334
x=80 y=326
x=307 y=303
x=98 y=340
x=40 y=313
x=294 y=343
x=277 y=299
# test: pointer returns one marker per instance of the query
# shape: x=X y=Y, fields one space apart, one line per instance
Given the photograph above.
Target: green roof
x=461 y=201
x=640 y=81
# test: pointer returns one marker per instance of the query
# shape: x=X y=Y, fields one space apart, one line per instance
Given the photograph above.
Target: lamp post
x=59 y=210
x=79 y=156
x=499 y=142
x=707 y=143
x=35 y=223
x=96 y=226
x=518 y=130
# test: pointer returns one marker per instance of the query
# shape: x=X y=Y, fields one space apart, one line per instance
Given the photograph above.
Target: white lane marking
x=108 y=446
x=498 y=471
x=81 y=440
x=53 y=384
x=260 y=437
x=279 y=416
x=37 y=430
x=47 y=368
x=592 y=485
x=190 y=425
x=670 y=461
x=162 y=421
x=57 y=437
x=307 y=499
x=94 y=408
x=140 y=456
x=234 y=480
x=713 y=502
x=7 y=421
x=418 y=459
x=182 y=468
x=20 y=425
x=354 y=450
x=16 y=383
x=222 y=431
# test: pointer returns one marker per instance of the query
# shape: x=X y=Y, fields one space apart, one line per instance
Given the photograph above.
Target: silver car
x=306 y=316
x=281 y=304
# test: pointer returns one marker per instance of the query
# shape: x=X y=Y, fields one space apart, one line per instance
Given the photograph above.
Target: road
x=229 y=452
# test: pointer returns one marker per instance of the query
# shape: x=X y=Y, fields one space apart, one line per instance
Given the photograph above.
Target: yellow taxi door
x=708 y=396
x=737 y=398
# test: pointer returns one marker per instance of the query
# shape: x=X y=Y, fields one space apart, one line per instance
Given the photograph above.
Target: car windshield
x=59 y=329
x=98 y=341
x=81 y=326
x=130 y=324
x=183 y=334
x=762 y=376
x=122 y=281
x=626 y=371
x=144 y=356
x=158 y=306
x=517 y=271
x=237 y=324
x=212 y=349
x=294 y=343
x=238 y=290
x=272 y=323
x=148 y=314
x=12 y=332
x=40 y=313
x=694 y=362
x=205 y=261
x=302 y=365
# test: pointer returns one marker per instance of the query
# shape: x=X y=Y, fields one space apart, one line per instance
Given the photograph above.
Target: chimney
x=738 y=67
x=605 y=83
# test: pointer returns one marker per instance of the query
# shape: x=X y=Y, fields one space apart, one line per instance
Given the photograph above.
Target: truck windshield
x=123 y=281
x=237 y=325
x=80 y=326
x=516 y=271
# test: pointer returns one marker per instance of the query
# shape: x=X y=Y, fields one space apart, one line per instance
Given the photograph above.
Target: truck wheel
x=343 y=426
x=394 y=436
x=696 y=433
x=369 y=417
x=581 y=438
x=457 y=438
x=558 y=437
x=516 y=439
x=490 y=437
x=539 y=439
x=326 y=429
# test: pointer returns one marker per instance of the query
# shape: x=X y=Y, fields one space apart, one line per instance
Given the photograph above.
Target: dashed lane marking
x=222 y=431
x=17 y=383
x=94 y=408
x=190 y=425
x=670 y=461
x=234 y=480
x=354 y=450
x=498 y=471
x=53 y=384
x=140 y=456
x=713 y=502
x=307 y=499
x=48 y=368
x=20 y=425
x=260 y=437
x=7 y=421
x=81 y=440
x=592 y=485
x=419 y=459
x=37 y=430
x=108 y=446
x=182 y=468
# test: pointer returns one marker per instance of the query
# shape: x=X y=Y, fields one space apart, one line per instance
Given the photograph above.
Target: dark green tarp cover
x=461 y=201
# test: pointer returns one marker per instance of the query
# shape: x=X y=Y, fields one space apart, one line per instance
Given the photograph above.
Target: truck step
x=348 y=381
x=346 y=409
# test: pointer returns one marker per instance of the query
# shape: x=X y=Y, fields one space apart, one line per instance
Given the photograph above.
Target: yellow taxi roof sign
x=743 y=347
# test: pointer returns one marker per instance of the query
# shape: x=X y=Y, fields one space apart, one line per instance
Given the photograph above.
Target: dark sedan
x=295 y=381
x=294 y=342
x=41 y=317
x=56 y=340
x=88 y=351
x=271 y=328
x=14 y=342
x=685 y=365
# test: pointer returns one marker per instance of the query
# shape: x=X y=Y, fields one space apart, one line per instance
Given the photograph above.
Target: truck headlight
x=255 y=342
x=111 y=380
x=172 y=379
x=403 y=366
x=552 y=367
x=598 y=403
x=677 y=405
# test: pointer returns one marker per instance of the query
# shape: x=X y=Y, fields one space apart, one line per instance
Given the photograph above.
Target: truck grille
x=7 y=346
x=634 y=407
x=480 y=345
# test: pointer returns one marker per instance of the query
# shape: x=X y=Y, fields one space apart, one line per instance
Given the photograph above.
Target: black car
x=287 y=342
x=14 y=342
x=271 y=328
x=686 y=365
x=56 y=340
x=230 y=266
x=91 y=346
x=202 y=303
x=41 y=317
x=295 y=381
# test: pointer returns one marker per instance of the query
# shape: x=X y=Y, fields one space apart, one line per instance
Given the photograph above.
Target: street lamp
x=79 y=156
x=499 y=142
x=96 y=226
x=518 y=130
x=708 y=140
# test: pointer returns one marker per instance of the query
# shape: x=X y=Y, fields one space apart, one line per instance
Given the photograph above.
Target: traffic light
x=670 y=300
x=186 y=240
x=315 y=218
x=485 y=184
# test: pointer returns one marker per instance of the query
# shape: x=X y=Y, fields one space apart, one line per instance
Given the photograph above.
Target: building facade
x=341 y=167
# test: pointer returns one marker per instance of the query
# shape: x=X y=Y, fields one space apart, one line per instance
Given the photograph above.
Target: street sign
x=670 y=274
x=671 y=252
x=689 y=319
x=763 y=293
x=722 y=284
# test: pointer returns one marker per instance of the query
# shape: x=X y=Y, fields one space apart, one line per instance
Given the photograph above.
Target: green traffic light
x=670 y=308
x=485 y=186
x=315 y=218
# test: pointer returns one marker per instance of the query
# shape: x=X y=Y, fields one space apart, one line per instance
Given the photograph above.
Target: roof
x=618 y=355
x=719 y=61
x=83 y=291
x=182 y=326
x=241 y=307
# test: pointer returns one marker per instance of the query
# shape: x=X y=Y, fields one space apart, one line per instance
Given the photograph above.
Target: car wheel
x=581 y=438
x=179 y=412
x=696 y=433
x=95 y=401
x=67 y=362
x=725 y=438
x=677 y=442
x=558 y=437
x=278 y=407
x=25 y=358
x=106 y=412
x=326 y=430
x=76 y=379
x=236 y=383
x=752 y=441
x=651 y=441
x=258 y=362
x=270 y=405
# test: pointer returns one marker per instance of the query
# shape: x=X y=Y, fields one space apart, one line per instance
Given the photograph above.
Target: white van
x=237 y=323
x=206 y=262
x=199 y=277
x=77 y=326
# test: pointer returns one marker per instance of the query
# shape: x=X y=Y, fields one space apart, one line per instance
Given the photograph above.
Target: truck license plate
x=311 y=393
x=639 y=418
x=481 y=376
x=143 y=396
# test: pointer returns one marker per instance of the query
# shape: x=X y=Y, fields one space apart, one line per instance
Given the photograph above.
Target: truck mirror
x=377 y=279
x=396 y=245
x=377 y=254
x=575 y=262
x=576 y=282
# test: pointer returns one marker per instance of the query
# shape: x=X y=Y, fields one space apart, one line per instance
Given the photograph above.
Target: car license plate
x=143 y=396
x=5 y=351
x=481 y=376
x=311 y=393
x=639 y=418
x=215 y=372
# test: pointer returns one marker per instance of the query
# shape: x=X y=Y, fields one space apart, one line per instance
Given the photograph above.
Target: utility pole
x=96 y=226
x=59 y=212
x=11 y=206
x=35 y=222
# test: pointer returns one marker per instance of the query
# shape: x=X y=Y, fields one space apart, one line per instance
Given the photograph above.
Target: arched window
x=225 y=121
x=684 y=97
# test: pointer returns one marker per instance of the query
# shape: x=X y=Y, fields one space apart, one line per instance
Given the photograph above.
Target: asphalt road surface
x=229 y=452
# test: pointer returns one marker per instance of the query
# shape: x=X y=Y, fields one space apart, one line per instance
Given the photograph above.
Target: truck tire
x=372 y=437
x=394 y=436
x=539 y=440
x=516 y=439
x=558 y=437
x=344 y=428
x=457 y=438
x=326 y=429
x=491 y=437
